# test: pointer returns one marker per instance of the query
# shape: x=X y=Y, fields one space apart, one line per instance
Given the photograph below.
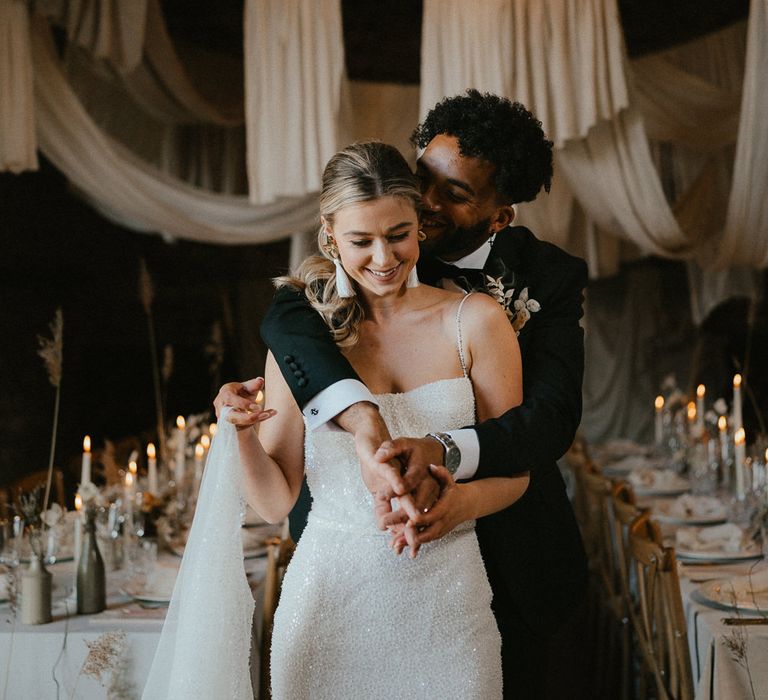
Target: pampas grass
x=147 y=297
x=52 y=351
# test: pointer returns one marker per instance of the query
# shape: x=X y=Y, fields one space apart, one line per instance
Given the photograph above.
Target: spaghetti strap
x=459 y=339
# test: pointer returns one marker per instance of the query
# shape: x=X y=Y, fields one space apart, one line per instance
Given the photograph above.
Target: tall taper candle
x=85 y=471
x=181 y=445
x=659 y=425
x=152 y=468
x=736 y=418
x=739 y=439
x=722 y=424
x=700 y=392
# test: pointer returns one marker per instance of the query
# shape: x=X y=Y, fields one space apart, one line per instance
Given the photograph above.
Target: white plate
x=661 y=508
x=718 y=555
x=152 y=599
x=720 y=593
x=662 y=492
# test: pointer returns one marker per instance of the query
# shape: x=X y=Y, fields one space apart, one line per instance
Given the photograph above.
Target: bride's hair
x=362 y=172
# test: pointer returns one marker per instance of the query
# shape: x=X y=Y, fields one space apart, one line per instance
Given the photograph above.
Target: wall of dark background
x=57 y=251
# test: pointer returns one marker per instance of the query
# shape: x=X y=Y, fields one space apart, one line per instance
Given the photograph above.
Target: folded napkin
x=5 y=585
x=720 y=538
x=663 y=479
x=746 y=586
x=688 y=506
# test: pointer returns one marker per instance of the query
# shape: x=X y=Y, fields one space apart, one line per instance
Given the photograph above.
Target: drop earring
x=413 y=278
x=344 y=286
x=421 y=236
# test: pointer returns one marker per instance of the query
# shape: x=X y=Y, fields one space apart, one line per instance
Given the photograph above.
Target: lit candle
x=199 y=455
x=130 y=481
x=85 y=471
x=212 y=430
x=658 y=426
x=181 y=437
x=78 y=528
x=722 y=424
x=736 y=418
x=205 y=441
x=259 y=396
x=691 y=412
x=152 y=468
x=741 y=456
x=700 y=392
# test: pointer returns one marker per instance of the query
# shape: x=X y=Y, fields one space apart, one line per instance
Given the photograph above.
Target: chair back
x=279 y=553
x=598 y=535
x=625 y=512
x=661 y=630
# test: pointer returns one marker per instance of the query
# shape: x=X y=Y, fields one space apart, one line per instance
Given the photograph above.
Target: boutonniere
x=518 y=310
x=524 y=307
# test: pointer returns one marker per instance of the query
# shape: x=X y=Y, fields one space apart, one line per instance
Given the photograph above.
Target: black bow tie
x=433 y=270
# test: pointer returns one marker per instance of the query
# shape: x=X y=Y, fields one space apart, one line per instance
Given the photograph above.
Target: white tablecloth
x=716 y=674
x=29 y=653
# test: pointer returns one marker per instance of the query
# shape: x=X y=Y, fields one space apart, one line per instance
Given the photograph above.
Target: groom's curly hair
x=499 y=131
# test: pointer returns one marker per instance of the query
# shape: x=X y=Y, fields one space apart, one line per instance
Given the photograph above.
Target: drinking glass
x=11 y=533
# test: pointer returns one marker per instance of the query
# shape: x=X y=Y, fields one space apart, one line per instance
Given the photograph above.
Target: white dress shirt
x=332 y=400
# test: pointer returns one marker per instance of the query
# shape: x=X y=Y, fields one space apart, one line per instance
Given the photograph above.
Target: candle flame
x=87 y=443
x=659 y=403
x=78 y=502
x=736 y=381
x=132 y=468
x=700 y=391
x=740 y=436
x=212 y=429
x=722 y=423
x=181 y=423
x=128 y=479
x=259 y=396
x=691 y=411
x=151 y=451
x=205 y=441
x=199 y=451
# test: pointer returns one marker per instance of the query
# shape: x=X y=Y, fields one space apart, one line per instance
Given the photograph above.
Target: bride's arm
x=493 y=358
x=273 y=459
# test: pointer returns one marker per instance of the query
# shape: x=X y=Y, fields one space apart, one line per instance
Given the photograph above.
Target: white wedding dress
x=357 y=621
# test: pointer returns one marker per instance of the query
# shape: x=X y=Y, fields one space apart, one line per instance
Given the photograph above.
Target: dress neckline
x=422 y=386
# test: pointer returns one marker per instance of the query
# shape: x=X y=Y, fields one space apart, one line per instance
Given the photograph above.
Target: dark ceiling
x=382 y=37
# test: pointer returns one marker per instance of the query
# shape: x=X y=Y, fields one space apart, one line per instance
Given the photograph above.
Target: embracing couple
x=394 y=374
x=424 y=375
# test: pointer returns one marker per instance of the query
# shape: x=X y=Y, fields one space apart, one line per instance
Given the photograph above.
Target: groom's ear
x=503 y=217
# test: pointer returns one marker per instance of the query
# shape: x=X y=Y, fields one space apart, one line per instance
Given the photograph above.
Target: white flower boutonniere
x=524 y=307
x=518 y=311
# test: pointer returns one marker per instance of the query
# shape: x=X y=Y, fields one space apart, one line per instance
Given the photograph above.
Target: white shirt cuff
x=467 y=441
x=333 y=400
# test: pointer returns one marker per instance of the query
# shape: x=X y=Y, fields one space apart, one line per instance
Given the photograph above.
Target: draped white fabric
x=129 y=191
x=294 y=64
x=18 y=147
x=563 y=60
x=747 y=220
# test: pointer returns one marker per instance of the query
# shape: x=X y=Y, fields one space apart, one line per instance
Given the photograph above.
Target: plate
x=662 y=492
x=720 y=594
x=718 y=556
x=661 y=512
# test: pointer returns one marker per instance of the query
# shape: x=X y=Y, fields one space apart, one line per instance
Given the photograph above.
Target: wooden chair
x=613 y=631
x=10 y=493
x=279 y=553
x=661 y=626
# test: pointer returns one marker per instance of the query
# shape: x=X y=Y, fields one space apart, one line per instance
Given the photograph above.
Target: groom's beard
x=456 y=241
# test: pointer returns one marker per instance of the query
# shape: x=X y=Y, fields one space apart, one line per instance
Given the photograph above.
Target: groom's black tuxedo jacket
x=532 y=550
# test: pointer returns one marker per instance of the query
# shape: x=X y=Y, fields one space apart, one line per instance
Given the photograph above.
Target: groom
x=482 y=154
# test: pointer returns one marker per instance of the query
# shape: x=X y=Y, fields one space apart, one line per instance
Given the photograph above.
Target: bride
x=354 y=619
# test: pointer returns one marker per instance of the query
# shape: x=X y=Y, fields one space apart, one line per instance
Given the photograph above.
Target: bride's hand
x=244 y=418
x=451 y=509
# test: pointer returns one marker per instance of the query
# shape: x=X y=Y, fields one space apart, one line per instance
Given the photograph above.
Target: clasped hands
x=404 y=472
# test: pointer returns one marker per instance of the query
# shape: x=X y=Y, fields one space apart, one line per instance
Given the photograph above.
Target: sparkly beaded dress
x=357 y=621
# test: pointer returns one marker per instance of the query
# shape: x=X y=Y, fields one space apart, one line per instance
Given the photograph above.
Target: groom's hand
x=415 y=454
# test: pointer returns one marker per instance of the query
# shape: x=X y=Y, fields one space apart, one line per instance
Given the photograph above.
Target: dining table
x=50 y=660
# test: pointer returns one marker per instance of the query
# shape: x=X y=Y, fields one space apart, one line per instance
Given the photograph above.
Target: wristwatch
x=452 y=451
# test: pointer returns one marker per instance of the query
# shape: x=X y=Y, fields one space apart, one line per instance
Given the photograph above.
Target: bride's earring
x=413 y=278
x=421 y=236
x=344 y=286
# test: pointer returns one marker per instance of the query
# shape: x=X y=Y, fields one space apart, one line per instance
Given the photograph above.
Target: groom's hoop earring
x=421 y=235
